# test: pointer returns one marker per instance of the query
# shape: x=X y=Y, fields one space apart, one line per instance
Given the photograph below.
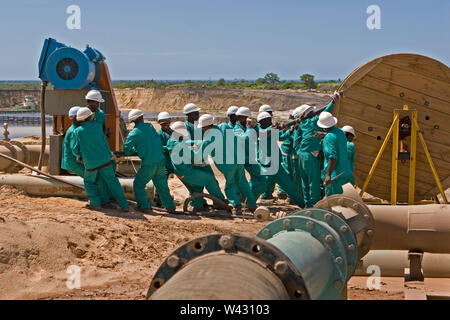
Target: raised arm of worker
x=329 y=107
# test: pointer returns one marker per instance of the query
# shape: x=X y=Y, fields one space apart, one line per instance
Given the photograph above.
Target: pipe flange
x=264 y=251
x=26 y=153
x=13 y=151
x=336 y=203
x=342 y=228
x=323 y=233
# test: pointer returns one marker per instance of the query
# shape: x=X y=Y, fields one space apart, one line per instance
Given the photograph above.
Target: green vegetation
x=270 y=81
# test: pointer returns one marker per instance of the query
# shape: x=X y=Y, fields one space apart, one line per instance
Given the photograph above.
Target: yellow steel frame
x=394 y=131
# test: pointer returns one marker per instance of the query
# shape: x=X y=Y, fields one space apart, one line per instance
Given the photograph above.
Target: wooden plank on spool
x=419 y=64
x=434 y=88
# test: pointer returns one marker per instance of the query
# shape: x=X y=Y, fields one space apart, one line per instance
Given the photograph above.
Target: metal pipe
x=313 y=253
x=43 y=186
x=43 y=135
x=392 y=263
x=33 y=154
x=423 y=228
x=231 y=270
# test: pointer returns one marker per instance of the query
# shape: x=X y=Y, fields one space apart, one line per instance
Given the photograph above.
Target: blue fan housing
x=69 y=68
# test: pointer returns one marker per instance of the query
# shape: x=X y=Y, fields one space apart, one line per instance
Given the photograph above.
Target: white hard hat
x=94 y=95
x=163 y=116
x=300 y=111
x=326 y=120
x=349 y=129
x=266 y=108
x=189 y=108
x=179 y=129
x=263 y=115
x=205 y=120
x=83 y=113
x=134 y=114
x=73 y=111
x=244 y=111
x=232 y=110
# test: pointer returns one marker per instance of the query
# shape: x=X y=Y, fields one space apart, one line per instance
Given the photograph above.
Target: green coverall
x=351 y=158
x=335 y=147
x=224 y=125
x=99 y=116
x=281 y=177
x=69 y=161
x=192 y=177
x=309 y=162
x=90 y=144
x=286 y=150
x=234 y=173
x=246 y=139
x=164 y=137
x=145 y=142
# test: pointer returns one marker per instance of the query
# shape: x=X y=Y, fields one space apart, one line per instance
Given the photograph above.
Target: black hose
x=43 y=134
x=205 y=195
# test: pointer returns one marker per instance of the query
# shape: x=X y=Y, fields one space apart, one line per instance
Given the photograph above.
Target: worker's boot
x=88 y=206
x=108 y=206
x=147 y=210
x=238 y=210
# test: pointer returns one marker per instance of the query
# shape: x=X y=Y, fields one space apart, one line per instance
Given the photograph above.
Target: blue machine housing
x=69 y=68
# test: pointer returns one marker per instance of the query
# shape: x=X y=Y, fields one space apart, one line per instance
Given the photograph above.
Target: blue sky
x=201 y=39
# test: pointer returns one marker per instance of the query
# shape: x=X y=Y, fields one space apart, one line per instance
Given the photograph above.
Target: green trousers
x=100 y=183
x=257 y=181
x=157 y=173
x=283 y=179
x=196 y=180
x=311 y=180
x=336 y=186
x=286 y=163
x=236 y=183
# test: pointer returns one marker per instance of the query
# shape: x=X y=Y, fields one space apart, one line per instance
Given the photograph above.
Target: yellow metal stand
x=394 y=131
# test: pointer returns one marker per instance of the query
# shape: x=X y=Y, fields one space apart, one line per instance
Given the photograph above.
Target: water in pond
x=17 y=130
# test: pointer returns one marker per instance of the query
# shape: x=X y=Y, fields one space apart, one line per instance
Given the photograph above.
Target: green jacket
x=308 y=128
x=144 y=142
x=351 y=154
x=335 y=147
x=99 y=116
x=246 y=140
x=90 y=144
x=68 y=158
x=181 y=168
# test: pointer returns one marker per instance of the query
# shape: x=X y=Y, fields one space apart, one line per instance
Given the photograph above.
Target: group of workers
x=314 y=156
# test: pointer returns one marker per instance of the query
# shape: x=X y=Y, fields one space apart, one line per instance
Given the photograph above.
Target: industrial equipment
x=72 y=73
x=374 y=94
x=308 y=255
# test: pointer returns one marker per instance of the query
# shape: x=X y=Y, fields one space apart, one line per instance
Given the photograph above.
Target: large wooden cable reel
x=371 y=93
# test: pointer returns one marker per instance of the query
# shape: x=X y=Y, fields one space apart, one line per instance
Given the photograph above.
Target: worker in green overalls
x=94 y=99
x=195 y=179
x=144 y=142
x=269 y=160
x=336 y=170
x=69 y=161
x=246 y=147
x=91 y=146
x=224 y=155
x=350 y=134
x=164 y=134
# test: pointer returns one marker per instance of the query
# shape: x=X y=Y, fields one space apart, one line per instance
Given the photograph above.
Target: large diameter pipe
x=43 y=186
x=423 y=228
x=308 y=255
x=392 y=263
x=33 y=158
x=209 y=272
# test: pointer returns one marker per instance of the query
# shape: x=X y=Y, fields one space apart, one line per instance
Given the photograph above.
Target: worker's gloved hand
x=337 y=95
x=327 y=181
x=119 y=154
x=79 y=160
